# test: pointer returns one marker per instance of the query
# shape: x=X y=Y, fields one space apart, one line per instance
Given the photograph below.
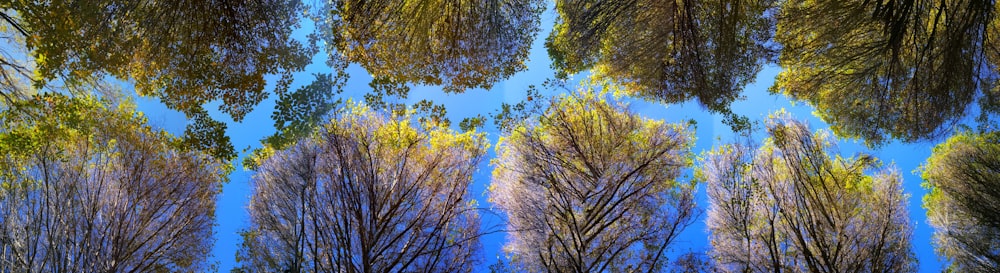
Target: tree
x=502 y=265
x=590 y=187
x=795 y=205
x=299 y=113
x=87 y=186
x=692 y=262
x=962 y=176
x=890 y=69
x=186 y=53
x=459 y=44
x=667 y=51
x=12 y=72
x=367 y=193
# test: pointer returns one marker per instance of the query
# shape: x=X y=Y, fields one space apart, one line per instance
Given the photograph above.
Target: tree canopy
x=885 y=69
x=367 y=193
x=583 y=183
x=591 y=187
x=186 y=53
x=458 y=44
x=667 y=51
x=795 y=205
x=87 y=186
x=963 y=176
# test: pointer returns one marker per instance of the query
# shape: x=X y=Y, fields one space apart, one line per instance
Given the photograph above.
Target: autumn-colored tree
x=459 y=44
x=882 y=69
x=90 y=187
x=667 y=51
x=591 y=187
x=367 y=193
x=963 y=176
x=795 y=205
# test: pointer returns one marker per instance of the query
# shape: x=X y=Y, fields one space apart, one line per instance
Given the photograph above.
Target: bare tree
x=366 y=194
x=794 y=205
x=963 y=176
x=91 y=188
x=590 y=187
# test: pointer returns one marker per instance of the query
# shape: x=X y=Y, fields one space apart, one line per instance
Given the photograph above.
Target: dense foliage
x=581 y=182
x=186 y=53
x=668 y=51
x=458 y=44
x=886 y=69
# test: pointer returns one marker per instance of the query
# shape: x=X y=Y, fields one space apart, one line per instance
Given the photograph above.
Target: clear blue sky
x=232 y=216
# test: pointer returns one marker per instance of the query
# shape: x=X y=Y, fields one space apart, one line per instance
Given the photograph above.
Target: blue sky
x=232 y=215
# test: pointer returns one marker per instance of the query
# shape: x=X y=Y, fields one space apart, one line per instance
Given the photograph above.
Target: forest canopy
x=882 y=70
x=666 y=51
x=372 y=178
